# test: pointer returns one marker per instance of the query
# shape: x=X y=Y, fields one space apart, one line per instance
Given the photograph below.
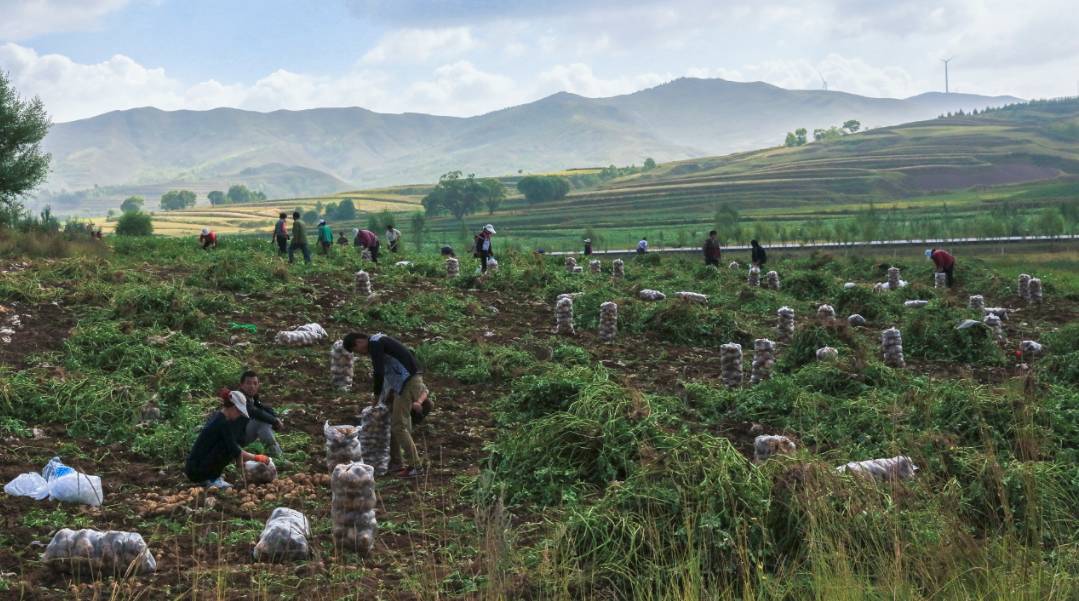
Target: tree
x=132 y=204
x=493 y=194
x=543 y=188
x=217 y=197
x=455 y=195
x=419 y=228
x=852 y=125
x=177 y=199
x=238 y=193
x=649 y=164
x=796 y=137
x=346 y=211
x=23 y=166
x=135 y=223
x=310 y=217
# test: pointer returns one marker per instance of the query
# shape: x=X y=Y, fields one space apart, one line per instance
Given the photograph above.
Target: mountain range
x=317 y=151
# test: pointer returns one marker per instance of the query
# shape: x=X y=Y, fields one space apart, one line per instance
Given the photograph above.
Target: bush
x=134 y=224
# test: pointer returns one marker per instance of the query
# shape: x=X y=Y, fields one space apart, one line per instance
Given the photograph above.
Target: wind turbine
x=822 y=80
x=946 y=61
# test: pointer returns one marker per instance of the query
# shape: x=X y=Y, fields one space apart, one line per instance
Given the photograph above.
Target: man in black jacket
x=396 y=372
x=260 y=422
x=759 y=257
x=216 y=446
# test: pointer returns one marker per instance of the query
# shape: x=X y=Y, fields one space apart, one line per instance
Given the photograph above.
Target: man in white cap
x=484 y=250
x=216 y=446
x=207 y=239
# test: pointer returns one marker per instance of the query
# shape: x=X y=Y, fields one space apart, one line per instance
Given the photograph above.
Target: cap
x=489 y=228
x=205 y=231
x=587 y=240
x=322 y=222
x=928 y=253
x=239 y=401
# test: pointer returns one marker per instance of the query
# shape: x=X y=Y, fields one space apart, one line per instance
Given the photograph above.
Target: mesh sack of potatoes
x=827 y=353
x=352 y=507
x=754 y=277
x=1036 y=290
x=342 y=444
x=785 y=323
x=733 y=265
x=940 y=280
x=363 y=283
x=826 y=312
x=855 y=320
x=1001 y=312
x=569 y=295
x=304 y=335
x=976 y=301
x=730 y=364
x=1024 y=286
x=365 y=255
x=260 y=473
x=341 y=366
x=284 y=537
x=993 y=321
x=608 y=321
x=893 y=278
x=891 y=341
x=595 y=266
x=453 y=267
x=563 y=316
x=771 y=280
x=570 y=264
x=891 y=468
x=915 y=304
x=618 y=268
x=693 y=297
x=651 y=295
x=375 y=436
x=1030 y=347
x=767 y=445
x=764 y=359
x=93 y=552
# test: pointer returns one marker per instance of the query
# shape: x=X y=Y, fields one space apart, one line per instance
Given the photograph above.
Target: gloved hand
x=263 y=459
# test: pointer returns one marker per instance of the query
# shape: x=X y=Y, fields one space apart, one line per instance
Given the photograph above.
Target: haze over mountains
x=317 y=151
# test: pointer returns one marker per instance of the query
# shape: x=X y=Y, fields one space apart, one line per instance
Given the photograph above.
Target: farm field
x=561 y=467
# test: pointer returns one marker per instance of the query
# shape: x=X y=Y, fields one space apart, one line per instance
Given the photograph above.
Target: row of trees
x=461 y=196
x=799 y=137
x=237 y=194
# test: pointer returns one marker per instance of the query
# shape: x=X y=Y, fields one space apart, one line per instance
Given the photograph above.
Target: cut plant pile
x=636 y=459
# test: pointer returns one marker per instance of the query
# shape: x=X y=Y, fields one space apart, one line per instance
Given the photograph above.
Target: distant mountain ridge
x=317 y=151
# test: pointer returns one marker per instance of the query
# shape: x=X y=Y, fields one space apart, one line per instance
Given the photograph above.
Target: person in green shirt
x=325 y=237
x=299 y=239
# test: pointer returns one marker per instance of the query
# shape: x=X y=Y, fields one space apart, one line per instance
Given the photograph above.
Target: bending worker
x=216 y=446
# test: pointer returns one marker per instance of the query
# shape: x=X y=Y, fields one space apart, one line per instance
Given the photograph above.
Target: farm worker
x=447 y=251
x=299 y=240
x=280 y=234
x=642 y=246
x=261 y=421
x=393 y=235
x=711 y=249
x=943 y=261
x=369 y=240
x=325 y=237
x=758 y=257
x=398 y=374
x=587 y=246
x=216 y=446
x=483 y=250
x=207 y=239
x=342 y=240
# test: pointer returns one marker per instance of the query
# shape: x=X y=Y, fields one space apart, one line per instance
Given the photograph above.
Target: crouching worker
x=261 y=421
x=216 y=446
x=398 y=374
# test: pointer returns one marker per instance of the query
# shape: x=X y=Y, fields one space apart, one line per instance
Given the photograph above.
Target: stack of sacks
x=569 y=295
x=651 y=295
x=618 y=268
x=856 y=320
x=827 y=353
x=93 y=553
x=342 y=444
x=995 y=324
x=301 y=335
x=341 y=362
x=1024 y=286
x=730 y=364
x=785 y=325
x=891 y=340
x=608 y=321
x=363 y=283
x=375 y=436
x=284 y=538
x=826 y=312
x=754 y=278
x=764 y=357
x=915 y=304
x=571 y=264
x=733 y=265
x=768 y=445
x=693 y=297
x=563 y=316
x=352 y=508
x=595 y=266
x=260 y=473
x=1035 y=290
x=976 y=301
x=771 y=280
x=940 y=280
x=453 y=267
x=892 y=468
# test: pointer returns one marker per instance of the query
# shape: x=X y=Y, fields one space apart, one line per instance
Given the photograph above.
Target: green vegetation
x=134 y=223
x=23 y=165
x=177 y=199
x=543 y=188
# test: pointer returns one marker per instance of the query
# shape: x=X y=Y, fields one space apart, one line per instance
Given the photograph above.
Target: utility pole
x=946 y=61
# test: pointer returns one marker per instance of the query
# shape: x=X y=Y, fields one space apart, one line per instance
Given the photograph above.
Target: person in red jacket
x=943 y=261
x=208 y=239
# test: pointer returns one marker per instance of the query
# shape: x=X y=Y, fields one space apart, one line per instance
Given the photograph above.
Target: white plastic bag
x=77 y=488
x=30 y=484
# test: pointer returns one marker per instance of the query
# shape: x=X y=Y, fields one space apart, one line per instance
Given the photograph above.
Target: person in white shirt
x=642 y=246
x=393 y=236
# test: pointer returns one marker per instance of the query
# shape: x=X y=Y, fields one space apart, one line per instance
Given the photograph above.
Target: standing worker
x=642 y=246
x=587 y=246
x=393 y=236
x=396 y=372
x=216 y=446
x=325 y=237
x=207 y=239
x=280 y=234
x=758 y=257
x=712 y=252
x=366 y=239
x=484 y=250
x=299 y=240
x=943 y=261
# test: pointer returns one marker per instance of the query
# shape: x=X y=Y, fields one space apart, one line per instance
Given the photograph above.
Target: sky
x=467 y=57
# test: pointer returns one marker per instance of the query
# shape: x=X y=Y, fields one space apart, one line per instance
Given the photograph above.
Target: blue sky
x=462 y=57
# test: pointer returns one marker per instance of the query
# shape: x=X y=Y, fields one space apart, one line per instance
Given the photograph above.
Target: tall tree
x=852 y=125
x=217 y=197
x=649 y=164
x=493 y=194
x=456 y=195
x=177 y=199
x=238 y=193
x=543 y=188
x=23 y=166
x=132 y=204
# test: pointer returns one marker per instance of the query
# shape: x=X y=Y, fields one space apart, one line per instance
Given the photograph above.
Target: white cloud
x=420 y=45
x=461 y=89
x=27 y=18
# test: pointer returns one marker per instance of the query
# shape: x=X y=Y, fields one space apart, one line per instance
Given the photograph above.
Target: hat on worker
x=928 y=253
x=489 y=228
x=239 y=401
x=205 y=231
x=322 y=222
